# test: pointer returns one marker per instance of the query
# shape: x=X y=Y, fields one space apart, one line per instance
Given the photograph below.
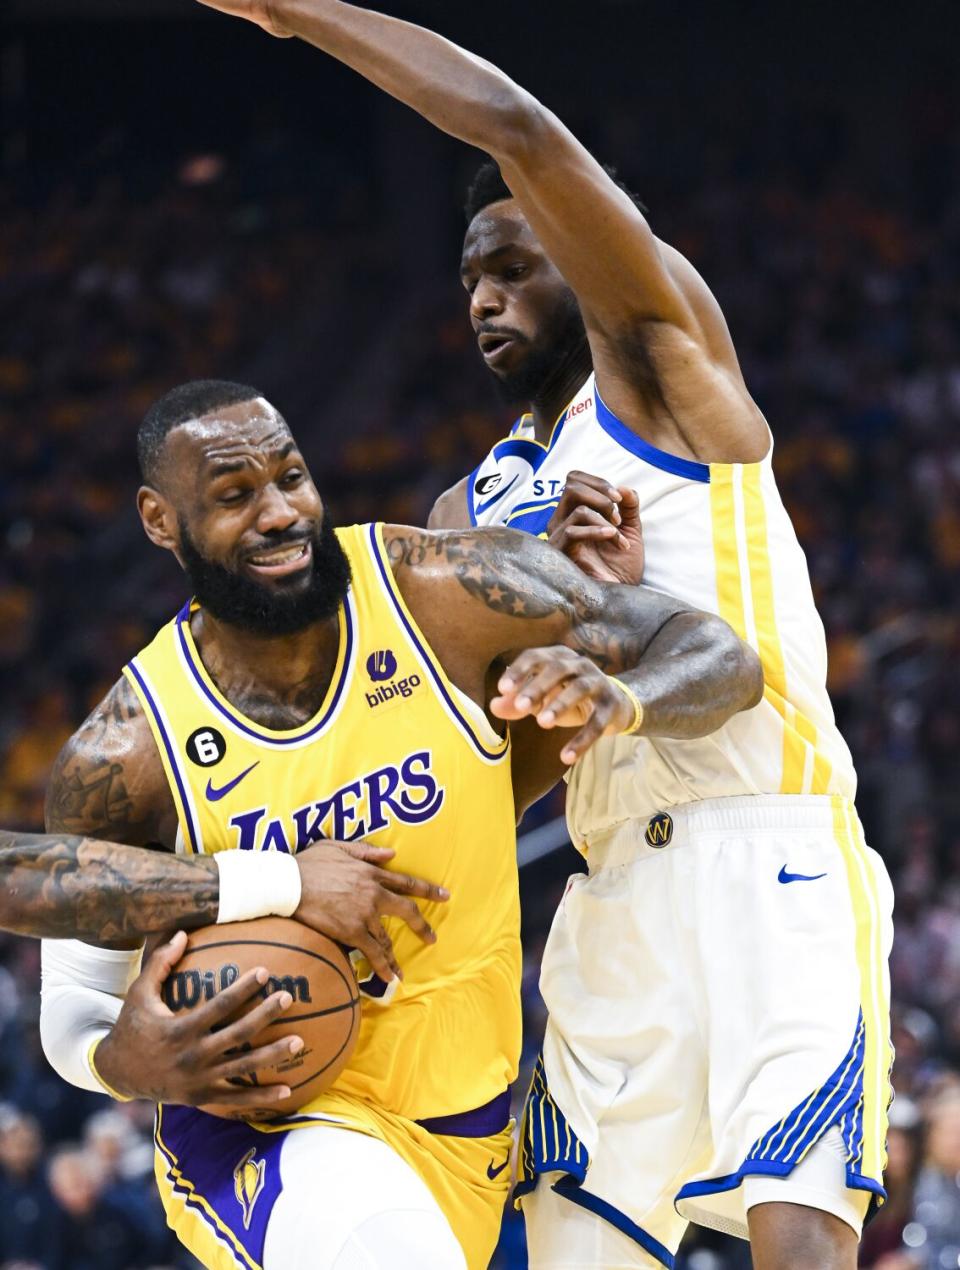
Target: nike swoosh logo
x=493 y=1173
x=496 y=498
x=784 y=876
x=214 y=795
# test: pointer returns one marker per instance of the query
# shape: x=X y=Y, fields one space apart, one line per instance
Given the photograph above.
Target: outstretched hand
x=259 y=12
x=598 y=526
x=563 y=689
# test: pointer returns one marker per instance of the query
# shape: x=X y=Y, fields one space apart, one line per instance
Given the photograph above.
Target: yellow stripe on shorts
x=873 y=994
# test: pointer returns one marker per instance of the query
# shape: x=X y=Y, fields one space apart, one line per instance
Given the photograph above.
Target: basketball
x=315 y=971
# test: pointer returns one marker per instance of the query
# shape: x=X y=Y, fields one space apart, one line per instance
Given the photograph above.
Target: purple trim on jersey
x=202 y=1153
x=624 y=436
x=482 y=1122
x=428 y=661
x=171 y=755
x=243 y=724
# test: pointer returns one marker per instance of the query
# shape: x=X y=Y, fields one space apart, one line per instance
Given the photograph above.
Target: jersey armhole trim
x=629 y=440
x=446 y=690
x=471 y=485
x=179 y=786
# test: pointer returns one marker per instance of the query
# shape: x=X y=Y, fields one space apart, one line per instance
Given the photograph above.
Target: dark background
x=182 y=197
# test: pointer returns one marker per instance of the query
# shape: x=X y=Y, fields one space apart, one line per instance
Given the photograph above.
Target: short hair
x=488 y=186
x=189 y=401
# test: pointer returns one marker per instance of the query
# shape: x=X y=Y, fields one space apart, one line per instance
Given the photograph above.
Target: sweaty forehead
x=248 y=432
x=497 y=226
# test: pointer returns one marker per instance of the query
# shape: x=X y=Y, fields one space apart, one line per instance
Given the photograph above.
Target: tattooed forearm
x=689 y=669
x=694 y=675
x=67 y=887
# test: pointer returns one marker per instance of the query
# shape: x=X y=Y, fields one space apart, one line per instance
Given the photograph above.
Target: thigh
x=562 y=1235
x=785 y=1236
x=795 y=932
x=349 y=1202
x=617 y=1104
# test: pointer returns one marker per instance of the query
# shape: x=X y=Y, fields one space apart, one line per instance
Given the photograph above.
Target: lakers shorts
x=718 y=1000
x=223 y=1182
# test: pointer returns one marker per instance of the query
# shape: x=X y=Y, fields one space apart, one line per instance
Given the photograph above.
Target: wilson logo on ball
x=185 y=989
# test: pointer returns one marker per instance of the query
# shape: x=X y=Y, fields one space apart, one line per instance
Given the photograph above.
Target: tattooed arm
x=62 y=886
x=484 y=596
x=108 y=781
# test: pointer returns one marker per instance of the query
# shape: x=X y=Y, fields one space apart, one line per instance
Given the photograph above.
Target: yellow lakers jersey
x=398 y=756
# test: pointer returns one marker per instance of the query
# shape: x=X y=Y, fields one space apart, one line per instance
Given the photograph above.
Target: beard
x=564 y=339
x=284 y=609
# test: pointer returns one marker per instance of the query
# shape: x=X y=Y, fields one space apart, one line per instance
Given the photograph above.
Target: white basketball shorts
x=718 y=999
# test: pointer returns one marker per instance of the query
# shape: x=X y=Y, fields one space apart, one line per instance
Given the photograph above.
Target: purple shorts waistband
x=482 y=1122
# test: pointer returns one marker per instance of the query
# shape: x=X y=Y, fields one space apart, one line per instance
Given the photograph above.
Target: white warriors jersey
x=718 y=537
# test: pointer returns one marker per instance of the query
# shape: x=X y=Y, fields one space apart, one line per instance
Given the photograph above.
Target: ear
x=158 y=518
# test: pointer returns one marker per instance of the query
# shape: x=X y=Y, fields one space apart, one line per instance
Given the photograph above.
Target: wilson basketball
x=315 y=971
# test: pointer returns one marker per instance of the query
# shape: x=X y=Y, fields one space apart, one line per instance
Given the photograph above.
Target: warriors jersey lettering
x=396 y=755
x=717 y=536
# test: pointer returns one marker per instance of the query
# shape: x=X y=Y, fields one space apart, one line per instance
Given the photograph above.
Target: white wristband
x=257 y=884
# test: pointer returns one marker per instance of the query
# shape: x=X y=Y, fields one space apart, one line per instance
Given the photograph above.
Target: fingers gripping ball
x=315 y=971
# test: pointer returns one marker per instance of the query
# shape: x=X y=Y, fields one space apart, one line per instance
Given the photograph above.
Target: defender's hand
x=598 y=526
x=562 y=689
x=347 y=892
x=260 y=12
x=154 y=1053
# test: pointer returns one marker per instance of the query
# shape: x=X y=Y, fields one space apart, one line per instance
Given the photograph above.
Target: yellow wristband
x=107 y=1089
x=635 y=725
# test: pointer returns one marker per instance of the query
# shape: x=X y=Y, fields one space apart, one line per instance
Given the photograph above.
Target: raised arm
x=569 y=199
x=659 y=340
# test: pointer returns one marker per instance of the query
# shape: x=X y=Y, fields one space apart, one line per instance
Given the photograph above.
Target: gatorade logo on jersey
x=382 y=666
x=407 y=793
x=487 y=484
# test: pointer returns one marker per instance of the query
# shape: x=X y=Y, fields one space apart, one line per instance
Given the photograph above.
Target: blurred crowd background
x=183 y=198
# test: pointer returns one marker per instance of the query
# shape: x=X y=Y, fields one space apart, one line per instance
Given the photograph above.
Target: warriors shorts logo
x=248 y=1183
x=659 y=830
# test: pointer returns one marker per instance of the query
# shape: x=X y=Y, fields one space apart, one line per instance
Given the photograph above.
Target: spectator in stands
x=27 y=1213
x=91 y=1232
x=932 y=1238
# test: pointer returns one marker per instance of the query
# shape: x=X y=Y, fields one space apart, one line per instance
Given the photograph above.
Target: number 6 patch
x=206 y=747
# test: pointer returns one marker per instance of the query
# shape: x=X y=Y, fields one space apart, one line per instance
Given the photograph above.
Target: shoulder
x=108 y=780
x=452 y=509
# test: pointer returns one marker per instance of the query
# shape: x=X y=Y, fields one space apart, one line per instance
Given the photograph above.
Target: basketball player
x=335 y=685
x=718 y=992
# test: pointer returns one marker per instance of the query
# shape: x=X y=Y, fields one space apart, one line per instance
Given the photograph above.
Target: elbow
x=750 y=673
x=517 y=125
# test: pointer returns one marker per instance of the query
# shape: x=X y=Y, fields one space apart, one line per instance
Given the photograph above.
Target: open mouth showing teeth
x=286 y=555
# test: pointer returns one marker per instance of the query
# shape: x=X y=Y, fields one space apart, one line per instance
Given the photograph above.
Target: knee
x=791 y=1237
